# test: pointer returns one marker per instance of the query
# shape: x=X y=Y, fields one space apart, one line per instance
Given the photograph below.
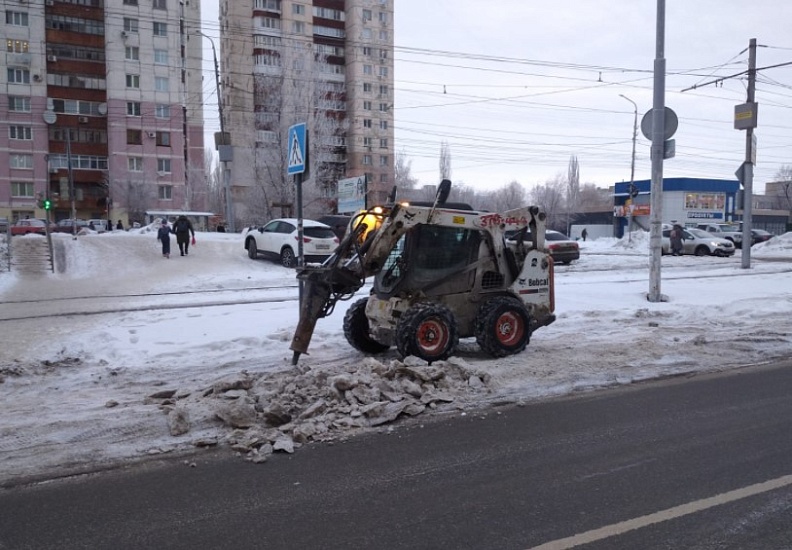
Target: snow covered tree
x=445 y=161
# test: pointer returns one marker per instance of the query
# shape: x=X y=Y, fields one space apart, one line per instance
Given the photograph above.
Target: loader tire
x=356 y=329
x=502 y=326
x=427 y=331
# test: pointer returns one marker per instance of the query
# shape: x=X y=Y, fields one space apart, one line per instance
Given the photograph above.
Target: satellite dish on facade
x=102 y=108
x=50 y=117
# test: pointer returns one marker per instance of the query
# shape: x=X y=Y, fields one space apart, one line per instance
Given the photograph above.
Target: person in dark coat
x=676 y=240
x=120 y=225
x=183 y=229
x=163 y=235
x=584 y=234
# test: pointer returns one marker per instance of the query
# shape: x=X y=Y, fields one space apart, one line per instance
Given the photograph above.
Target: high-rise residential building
x=325 y=63
x=103 y=111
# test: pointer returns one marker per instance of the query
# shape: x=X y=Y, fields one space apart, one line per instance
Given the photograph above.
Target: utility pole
x=71 y=183
x=632 y=164
x=750 y=159
x=223 y=147
x=658 y=152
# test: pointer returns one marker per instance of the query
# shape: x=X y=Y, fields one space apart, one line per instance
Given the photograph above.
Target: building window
x=367 y=51
x=19 y=104
x=164 y=166
x=383 y=160
x=367 y=160
x=17 y=18
x=366 y=15
x=333 y=32
x=268 y=22
x=383 y=125
x=133 y=108
x=383 y=17
x=383 y=54
x=132 y=53
x=22 y=189
x=163 y=139
x=20 y=132
x=20 y=161
x=133 y=81
x=366 y=123
x=383 y=89
x=384 y=107
x=367 y=86
x=17 y=46
x=383 y=71
x=18 y=76
x=162 y=111
x=135 y=164
x=165 y=192
x=383 y=143
x=298 y=27
x=366 y=142
x=383 y=35
x=130 y=2
x=134 y=137
x=131 y=25
x=367 y=69
x=160 y=5
x=367 y=105
x=367 y=34
x=160 y=57
x=161 y=83
x=298 y=9
x=329 y=13
x=383 y=178
x=160 y=28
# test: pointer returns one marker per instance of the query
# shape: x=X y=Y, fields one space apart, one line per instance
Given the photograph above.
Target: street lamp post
x=632 y=164
x=229 y=207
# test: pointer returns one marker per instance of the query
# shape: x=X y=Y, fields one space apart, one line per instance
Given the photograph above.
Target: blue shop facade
x=686 y=201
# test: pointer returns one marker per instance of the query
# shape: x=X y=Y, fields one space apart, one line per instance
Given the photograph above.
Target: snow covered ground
x=122 y=374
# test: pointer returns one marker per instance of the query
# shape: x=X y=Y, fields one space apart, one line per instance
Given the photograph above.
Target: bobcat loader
x=441 y=272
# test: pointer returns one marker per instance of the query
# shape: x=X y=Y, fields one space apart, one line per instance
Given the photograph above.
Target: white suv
x=277 y=240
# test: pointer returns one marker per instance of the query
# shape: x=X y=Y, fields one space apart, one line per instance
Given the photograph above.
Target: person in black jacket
x=183 y=229
x=163 y=235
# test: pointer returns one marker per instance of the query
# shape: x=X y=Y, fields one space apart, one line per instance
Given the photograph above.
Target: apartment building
x=103 y=108
x=325 y=63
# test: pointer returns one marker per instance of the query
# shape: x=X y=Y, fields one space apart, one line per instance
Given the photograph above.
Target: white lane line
x=665 y=515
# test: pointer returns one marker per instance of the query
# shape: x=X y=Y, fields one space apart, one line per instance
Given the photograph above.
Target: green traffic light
x=47 y=204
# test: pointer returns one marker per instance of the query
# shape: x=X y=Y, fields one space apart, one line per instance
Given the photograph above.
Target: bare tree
x=550 y=198
x=137 y=195
x=293 y=91
x=783 y=186
x=573 y=185
x=445 y=161
x=403 y=175
x=507 y=197
x=592 y=197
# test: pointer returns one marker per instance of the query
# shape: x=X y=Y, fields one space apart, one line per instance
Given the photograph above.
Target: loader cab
x=432 y=260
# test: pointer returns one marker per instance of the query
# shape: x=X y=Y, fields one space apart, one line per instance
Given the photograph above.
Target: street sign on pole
x=296 y=152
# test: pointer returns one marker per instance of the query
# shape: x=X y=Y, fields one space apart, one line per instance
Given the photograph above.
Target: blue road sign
x=296 y=149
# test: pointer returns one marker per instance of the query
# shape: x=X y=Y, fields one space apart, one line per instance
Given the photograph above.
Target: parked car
x=562 y=249
x=277 y=240
x=699 y=243
x=338 y=222
x=761 y=236
x=731 y=232
x=30 y=225
x=65 y=226
x=100 y=226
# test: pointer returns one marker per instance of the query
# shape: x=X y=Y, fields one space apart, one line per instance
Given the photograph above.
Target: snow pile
x=280 y=411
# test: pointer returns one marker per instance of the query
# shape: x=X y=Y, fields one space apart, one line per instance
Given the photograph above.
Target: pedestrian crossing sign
x=296 y=153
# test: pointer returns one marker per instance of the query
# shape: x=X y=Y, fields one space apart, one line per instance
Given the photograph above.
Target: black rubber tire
x=502 y=326
x=287 y=257
x=356 y=329
x=251 y=248
x=427 y=331
x=702 y=251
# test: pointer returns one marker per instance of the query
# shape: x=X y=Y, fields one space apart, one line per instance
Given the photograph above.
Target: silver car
x=700 y=243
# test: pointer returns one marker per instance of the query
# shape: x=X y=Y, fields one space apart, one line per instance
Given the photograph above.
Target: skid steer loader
x=441 y=272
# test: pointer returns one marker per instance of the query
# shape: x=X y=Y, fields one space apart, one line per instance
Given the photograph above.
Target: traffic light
x=47 y=203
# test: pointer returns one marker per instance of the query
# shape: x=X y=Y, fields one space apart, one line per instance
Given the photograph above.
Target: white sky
x=522 y=120
x=59 y=373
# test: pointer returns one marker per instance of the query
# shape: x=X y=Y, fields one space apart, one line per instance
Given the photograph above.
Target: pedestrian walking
x=163 y=235
x=676 y=236
x=120 y=225
x=584 y=234
x=184 y=230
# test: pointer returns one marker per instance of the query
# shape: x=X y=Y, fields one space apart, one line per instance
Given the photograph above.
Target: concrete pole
x=658 y=146
x=747 y=238
x=632 y=164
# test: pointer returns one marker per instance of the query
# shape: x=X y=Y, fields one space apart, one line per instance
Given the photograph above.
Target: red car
x=31 y=225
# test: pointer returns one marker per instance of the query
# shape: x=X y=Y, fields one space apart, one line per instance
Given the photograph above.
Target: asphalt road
x=701 y=462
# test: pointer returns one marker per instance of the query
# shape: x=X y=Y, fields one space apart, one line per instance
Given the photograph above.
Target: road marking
x=665 y=515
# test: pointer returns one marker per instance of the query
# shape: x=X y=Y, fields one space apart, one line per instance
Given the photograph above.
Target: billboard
x=351 y=195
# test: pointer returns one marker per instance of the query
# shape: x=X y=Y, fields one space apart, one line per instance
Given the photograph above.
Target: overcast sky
x=517 y=87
